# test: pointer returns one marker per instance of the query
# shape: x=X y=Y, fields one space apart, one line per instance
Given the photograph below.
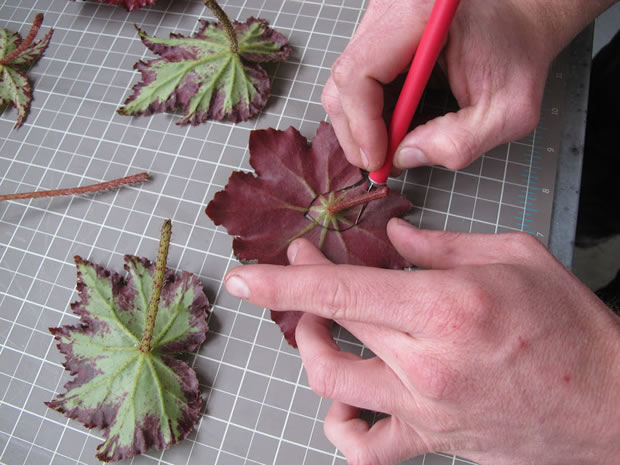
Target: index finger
x=381 y=49
x=403 y=300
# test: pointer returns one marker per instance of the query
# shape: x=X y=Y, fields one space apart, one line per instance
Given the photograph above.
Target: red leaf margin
x=130 y=5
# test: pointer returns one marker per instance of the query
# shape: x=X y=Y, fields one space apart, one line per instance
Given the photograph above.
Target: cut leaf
x=292 y=195
x=141 y=399
x=16 y=58
x=130 y=5
x=204 y=77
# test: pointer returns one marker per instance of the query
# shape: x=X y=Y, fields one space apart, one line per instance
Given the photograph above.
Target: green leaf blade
x=16 y=57
x=178 y=47
x=203 y=77
x=15 y=90
x=32 y=54
x=259 y=43
x=9 y=41
x=140 y=400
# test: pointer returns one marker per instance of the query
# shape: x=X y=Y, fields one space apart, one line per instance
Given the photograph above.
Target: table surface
x=259 y=409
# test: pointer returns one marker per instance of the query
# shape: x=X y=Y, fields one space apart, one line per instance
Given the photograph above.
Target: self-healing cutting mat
x=259 y=409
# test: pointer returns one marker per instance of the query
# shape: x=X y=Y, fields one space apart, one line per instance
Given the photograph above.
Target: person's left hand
x=497 y=353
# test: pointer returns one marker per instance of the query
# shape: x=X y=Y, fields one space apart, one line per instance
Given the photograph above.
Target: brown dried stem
x=158 y=281
x=136 y=178
x=366 y=197
x=222 y=17
x=34 y=30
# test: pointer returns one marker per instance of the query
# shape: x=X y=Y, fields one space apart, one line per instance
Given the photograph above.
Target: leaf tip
x=141 y=33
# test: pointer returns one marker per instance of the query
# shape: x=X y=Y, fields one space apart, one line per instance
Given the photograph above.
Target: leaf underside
x=130 y=5
x=202 y=77
x=15 y=87
x=140 y=400
x=267 y=211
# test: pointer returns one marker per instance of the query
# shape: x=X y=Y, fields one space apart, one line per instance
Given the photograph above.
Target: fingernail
x=364 y=158
x=291 y=252
x=410 y=157
x=237 y=287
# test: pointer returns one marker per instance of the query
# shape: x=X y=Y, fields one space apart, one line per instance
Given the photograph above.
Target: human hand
x=496 y=58
x=496 y=353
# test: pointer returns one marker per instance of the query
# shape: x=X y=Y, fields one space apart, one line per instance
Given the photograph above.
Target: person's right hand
x=496 y=58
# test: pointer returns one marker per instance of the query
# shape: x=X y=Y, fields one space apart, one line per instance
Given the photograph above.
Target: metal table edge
x=568 y=178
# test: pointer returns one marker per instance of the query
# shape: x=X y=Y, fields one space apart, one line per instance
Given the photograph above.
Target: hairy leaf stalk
x=134 y=179
x=366 y=197
x=34 y=30
x=222 y=17
x=158 y=281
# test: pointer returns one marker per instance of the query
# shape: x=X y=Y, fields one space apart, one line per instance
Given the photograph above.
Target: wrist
x=559 y=21
x=610 y=410
x=598 y=438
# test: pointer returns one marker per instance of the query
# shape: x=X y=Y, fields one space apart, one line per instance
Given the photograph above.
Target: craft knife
x=426 y=55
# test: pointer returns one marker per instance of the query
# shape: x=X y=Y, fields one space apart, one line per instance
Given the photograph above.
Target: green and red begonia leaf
x=140 y=399
x=16 y=57
x=202 y=76
x=130 y=5
x=267 y=210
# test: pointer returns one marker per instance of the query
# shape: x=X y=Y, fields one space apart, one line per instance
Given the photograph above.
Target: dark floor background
x=597 y=265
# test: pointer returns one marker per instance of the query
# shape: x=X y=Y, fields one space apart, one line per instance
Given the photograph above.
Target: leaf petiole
x=222 y=17
x=158 y=281
x=134 y=179
x=379 y=193
x=34 y=30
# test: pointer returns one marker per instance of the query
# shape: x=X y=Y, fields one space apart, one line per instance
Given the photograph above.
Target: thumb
x=303 y=252
x=446 y=249
x=455 y=140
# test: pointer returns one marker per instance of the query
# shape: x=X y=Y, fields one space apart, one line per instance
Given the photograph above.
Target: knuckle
x=524 y=245
x=530 y=115
x=354 y=451
x=359 y=132
x=331 y=429
x=523 y=120
x=476 y=298
x=463 y=146
x=331 y=101
x=467 y=310
x=521 y=114
x=362 y=456
x=343 y=70
x=434 y=379
x=446 y=243
x=275 y=295
x=443 y=425
x=338 y=298
x=322 y=377
x=476 y=312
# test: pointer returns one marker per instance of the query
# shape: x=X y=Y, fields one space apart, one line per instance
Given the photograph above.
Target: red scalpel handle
x=423 y=63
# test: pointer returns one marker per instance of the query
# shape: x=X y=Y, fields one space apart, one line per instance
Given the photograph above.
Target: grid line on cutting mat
x=259 y=408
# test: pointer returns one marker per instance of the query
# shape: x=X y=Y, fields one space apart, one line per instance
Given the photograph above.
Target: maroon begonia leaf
x=16 y=58
x=130 y=5
x=290 y=196
x=204 y=77
x=140 y=398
